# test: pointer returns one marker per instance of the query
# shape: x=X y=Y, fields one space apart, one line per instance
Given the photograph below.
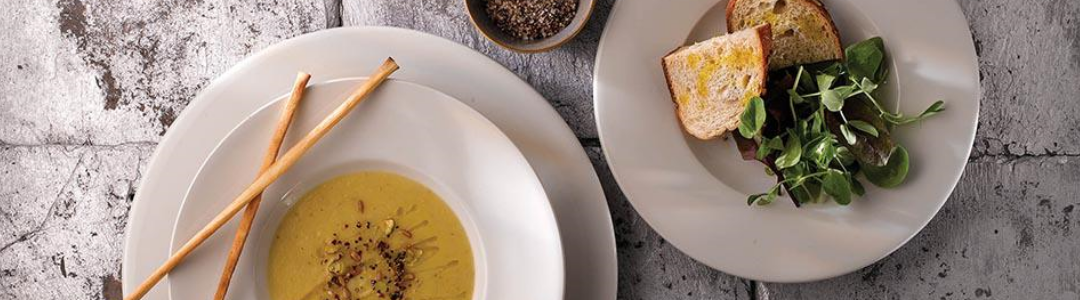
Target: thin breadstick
x=248 y=218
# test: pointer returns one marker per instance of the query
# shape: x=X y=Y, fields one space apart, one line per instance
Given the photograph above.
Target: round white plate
x=519 y=111
x=403 y=128
x=694 y=192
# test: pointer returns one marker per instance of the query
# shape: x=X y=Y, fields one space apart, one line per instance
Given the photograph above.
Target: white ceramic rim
x=519 y=111
x=699 y=214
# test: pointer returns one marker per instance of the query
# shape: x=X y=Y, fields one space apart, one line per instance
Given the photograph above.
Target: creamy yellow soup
x=370 y=235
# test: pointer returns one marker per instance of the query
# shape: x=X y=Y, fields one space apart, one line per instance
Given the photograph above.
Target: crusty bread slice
x=712 y=81
x=803 y=31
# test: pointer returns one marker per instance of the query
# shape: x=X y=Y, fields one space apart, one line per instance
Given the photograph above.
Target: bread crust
x=764 y=33
x=765 y=38
x=727 y=15
x=820 y=9
x=671 y=91
x=828 y=18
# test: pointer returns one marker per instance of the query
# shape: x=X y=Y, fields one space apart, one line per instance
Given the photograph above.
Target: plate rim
x=954 y=9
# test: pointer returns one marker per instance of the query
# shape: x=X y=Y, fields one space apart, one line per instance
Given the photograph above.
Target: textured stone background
x=87 y=88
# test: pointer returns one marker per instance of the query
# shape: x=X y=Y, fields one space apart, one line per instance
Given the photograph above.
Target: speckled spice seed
x=531 y=19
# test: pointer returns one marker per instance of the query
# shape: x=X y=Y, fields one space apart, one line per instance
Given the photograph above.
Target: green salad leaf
x=832 y=100
x=849 y=136
x=753 y=118
x=838 y=187
x=764 y=199
x=893 y=173
x=856 y=187
x=821 y=126
x=868 y=148
x=792 y=153
x=825 y=81
x=864 y=127
x=934 y=109
x=864 y=58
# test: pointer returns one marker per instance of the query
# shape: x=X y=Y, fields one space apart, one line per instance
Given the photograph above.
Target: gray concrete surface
x=88 y=87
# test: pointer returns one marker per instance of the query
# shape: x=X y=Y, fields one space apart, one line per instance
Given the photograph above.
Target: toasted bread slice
x=712 y=81
x=803 y=31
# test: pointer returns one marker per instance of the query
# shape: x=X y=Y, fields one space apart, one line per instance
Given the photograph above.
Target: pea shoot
x=822 y=126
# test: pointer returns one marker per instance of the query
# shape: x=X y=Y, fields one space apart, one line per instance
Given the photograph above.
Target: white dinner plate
x=403 y=128
x=694 y=192
x=515 y=107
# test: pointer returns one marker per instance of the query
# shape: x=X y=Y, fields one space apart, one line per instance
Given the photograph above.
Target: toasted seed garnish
x=330 y=249
x=389 y=223
x=335 y=268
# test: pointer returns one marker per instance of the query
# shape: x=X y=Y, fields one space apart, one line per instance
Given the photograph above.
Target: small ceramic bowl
x=483 y=23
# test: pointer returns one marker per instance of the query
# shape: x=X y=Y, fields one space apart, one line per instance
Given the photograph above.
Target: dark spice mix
x=531 y=19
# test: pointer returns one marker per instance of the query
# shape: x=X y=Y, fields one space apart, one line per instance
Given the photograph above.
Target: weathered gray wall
x=86 y=90
x=87 y=87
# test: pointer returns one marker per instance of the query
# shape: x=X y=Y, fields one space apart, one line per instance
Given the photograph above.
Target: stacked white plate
x=694 y=192
x=484 y=140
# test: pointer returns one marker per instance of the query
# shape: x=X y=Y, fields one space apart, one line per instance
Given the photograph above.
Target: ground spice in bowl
x=531 y=19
